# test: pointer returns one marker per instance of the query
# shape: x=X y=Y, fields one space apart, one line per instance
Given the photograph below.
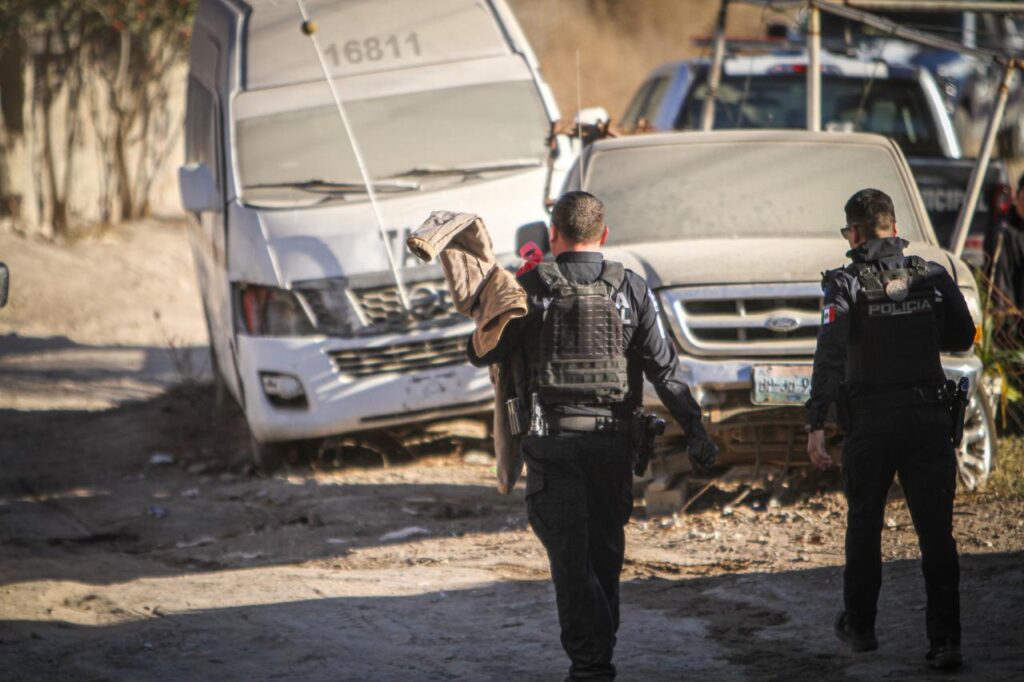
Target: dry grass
x=620 y=41
x=1008 y=478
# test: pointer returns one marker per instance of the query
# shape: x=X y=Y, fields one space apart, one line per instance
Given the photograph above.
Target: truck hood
x=689 y=262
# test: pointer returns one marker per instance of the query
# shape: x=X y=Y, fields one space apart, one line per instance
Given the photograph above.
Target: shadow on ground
x=764 y=626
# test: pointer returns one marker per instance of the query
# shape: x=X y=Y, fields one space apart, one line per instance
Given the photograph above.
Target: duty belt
x=583 y=424
x=904 y=397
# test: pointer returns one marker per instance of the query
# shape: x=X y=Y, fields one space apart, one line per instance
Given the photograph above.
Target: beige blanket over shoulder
x=488 y=293
x=480 y=287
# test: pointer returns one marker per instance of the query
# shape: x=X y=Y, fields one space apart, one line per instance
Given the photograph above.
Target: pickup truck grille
x=738 y=320
x=400 y=357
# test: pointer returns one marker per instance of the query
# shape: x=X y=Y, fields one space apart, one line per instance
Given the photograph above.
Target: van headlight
x=270 y=311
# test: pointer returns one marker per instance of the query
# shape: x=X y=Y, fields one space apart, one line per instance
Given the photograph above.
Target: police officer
x=593 y=331
x=886 y=318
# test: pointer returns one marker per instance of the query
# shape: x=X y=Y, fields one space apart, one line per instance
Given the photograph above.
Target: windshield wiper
x=333 y=187
x=470 y=169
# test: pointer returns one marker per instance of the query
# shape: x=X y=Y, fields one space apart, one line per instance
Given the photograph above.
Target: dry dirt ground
x=113 y=567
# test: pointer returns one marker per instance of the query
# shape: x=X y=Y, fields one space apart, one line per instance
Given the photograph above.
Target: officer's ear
x=895 y=229
x=552 y=234
x=604 y=235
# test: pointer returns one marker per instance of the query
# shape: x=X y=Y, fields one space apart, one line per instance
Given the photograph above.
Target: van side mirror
x=198 y=190
x=536 y=232
x=5 y=283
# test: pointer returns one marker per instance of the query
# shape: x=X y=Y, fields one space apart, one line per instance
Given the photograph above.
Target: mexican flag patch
x=828 y=314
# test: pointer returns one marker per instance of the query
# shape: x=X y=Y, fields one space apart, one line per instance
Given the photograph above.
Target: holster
x=643 y=436
x=957 y=399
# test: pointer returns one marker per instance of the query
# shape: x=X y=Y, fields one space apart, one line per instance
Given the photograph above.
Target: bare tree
x=118 y=57
x=142 y=42
x=55 y=32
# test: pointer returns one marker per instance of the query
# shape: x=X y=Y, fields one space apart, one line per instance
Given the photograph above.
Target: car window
x=740 y=189
x=637 y=105
x=659 y=88
x=895 y=108
x=946 y=24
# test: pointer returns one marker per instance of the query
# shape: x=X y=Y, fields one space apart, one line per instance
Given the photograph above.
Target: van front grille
x=382 y=306
x=361 y=311
x=400 y=357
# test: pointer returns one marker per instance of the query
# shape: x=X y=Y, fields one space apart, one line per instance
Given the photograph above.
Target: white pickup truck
x=732 y=231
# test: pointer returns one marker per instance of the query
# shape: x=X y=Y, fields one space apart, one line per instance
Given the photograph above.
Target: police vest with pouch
x=894 y=338
x=579 y=355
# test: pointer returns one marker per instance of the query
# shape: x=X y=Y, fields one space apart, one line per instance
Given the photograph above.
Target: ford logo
x=427 y=302
x=782 y=324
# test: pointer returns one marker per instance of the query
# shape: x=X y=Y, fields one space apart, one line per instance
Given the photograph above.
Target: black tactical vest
x=579 y=355
x=894 y=337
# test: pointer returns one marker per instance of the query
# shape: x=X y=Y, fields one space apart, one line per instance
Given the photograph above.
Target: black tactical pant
x=915 y=443
x=579 y=497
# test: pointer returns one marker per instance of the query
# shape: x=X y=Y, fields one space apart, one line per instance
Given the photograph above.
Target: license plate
x=781 y=384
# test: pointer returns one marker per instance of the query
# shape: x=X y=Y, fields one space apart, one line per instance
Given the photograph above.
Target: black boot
x=859 y=640
x=945 y=654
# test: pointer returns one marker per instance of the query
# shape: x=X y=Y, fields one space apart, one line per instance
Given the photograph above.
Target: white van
x=307 y=328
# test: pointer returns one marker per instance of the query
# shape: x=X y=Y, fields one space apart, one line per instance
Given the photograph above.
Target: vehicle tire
x=976 y=456
x=271 y=457
x=268 y=457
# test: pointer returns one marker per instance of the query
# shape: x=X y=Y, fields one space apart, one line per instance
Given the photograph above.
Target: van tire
x=269 y=457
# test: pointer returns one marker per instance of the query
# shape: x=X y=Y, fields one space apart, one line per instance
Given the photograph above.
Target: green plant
x=1001 y=348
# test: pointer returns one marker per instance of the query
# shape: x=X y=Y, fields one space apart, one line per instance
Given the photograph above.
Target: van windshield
x=460 y=132
x=895 y=108
x=733 y=190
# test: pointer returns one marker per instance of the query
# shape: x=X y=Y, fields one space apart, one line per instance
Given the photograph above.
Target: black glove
x=703 y=453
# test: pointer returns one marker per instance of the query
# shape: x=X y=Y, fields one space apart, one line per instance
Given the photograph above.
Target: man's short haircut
x=1020 y=182
x=871 y=211
x=578 y=217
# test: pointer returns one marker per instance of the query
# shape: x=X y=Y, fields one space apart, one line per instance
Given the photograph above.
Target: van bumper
x=339 y=403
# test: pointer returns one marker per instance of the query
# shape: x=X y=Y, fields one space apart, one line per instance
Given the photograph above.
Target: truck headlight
x=269 y=311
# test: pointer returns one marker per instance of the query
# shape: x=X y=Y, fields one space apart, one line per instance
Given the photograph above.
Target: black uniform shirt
x=649 y=350
x=841 y=286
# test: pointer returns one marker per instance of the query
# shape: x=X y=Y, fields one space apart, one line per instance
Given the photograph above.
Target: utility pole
x=814 y=69
x=715 y=74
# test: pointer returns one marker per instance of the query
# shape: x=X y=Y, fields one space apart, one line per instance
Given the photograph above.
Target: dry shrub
x=1008 y=478
x=620 y=41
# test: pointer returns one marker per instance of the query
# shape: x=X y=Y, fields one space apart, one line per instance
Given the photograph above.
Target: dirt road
x=136 y=543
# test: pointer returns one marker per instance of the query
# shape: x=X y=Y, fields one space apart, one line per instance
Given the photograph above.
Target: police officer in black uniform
x=886 y=318
x=593 y=331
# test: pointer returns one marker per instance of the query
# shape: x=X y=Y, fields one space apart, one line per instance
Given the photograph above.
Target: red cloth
x=531 y=255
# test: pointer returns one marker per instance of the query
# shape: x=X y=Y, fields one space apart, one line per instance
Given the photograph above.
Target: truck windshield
x=895 y=108
x=723 y=190
x=458 y=132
